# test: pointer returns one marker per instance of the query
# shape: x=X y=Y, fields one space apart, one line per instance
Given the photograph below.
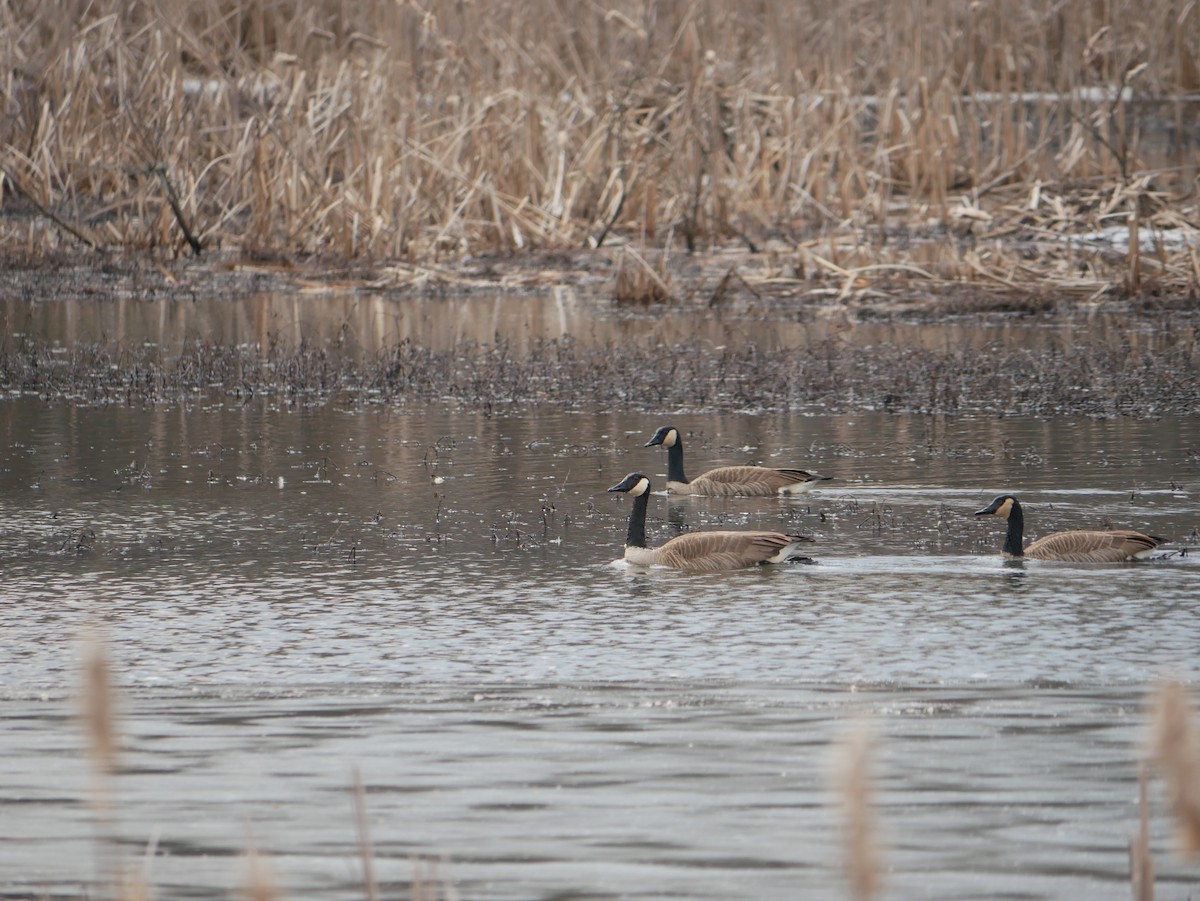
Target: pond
x=427 y=595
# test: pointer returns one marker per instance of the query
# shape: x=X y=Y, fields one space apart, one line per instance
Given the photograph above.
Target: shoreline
x=732 y=358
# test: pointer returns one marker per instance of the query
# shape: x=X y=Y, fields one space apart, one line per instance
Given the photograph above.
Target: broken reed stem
x=260 y=881
x=424 y=886
x=1141 y=864
x=99 y=719
x=640 y=283
x=364 y=838
x=99 y=716
x=1134 y=277
x=173 y=201
x=853 y=782
x=58 y=220
x=1176 y=751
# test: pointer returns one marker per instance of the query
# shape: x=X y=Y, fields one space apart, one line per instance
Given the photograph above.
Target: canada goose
x=727 y=481
x=701 y=551
x=1079 y=546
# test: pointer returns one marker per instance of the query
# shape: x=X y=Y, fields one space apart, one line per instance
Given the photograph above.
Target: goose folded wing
x=1084 y=546
x=714 y=551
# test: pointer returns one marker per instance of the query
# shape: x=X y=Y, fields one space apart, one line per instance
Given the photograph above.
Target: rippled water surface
x=429 y=596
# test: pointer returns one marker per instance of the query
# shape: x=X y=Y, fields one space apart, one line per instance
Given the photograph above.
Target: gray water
x=429 y=596
x=363 y=323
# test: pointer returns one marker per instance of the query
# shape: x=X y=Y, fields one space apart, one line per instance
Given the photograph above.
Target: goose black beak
x=990 y=509
x=659 y=437
x=627 y=483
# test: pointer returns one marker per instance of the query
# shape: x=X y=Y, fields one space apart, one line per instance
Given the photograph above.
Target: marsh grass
x=858 y=143
x=637 y=281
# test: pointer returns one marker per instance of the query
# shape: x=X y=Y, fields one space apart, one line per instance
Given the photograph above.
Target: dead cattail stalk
x=1141 y=864
x=99 y=716
x=66 y=226
x=1176 y=750
x=639 y=282
x=260 y=881
x=132 y=887
x=99 y=719
x=1133 y=279
x=1194 y=256
x=853 y=783
x=177 y=210
x=364 y=838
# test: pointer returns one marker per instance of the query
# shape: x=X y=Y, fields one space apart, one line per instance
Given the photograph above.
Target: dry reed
x=366 y=855
x=853 y=782
x=99 y=715
x=637 y=281
x=953 y=143
x=1176 y=750
x=98 y=712
x=1141 y=864
x=260 y=879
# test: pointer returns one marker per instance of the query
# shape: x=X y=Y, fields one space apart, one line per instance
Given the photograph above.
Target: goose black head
x=635 y=483
x=1002 y=506
x=667 y=436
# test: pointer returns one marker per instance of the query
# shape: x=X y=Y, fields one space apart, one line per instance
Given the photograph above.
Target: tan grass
x=638 y=281
x=427 y=129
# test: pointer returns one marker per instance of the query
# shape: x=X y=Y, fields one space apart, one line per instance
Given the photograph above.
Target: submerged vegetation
x=853 y=148
x=1104 y=379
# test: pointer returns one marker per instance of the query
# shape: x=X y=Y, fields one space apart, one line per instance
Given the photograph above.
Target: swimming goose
x=1079 y=546
x=701 y=551
x=728 y=481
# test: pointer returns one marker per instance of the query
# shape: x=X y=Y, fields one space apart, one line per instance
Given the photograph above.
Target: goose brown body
x=702 y=551
x=1077 y=546
x=729 y=481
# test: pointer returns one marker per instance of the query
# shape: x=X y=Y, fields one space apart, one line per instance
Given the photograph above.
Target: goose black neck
x=1016 y=532
x=636 y=535
x=675 y=463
